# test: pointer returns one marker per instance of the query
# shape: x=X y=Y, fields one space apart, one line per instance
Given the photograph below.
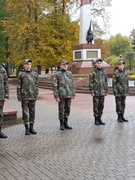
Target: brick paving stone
x=87 y=152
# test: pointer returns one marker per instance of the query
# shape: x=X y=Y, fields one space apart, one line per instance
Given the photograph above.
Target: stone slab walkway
x=87 y=152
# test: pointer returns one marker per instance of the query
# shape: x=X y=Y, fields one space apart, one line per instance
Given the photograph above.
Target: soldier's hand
x=57 y=99
x=19 y=99
x=92 y=94
x=5 y=99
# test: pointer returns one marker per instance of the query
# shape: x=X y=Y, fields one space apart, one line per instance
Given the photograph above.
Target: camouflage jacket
x=4 y=89
x=63 y=84
x=120 y=83
x=27 y=87
x=98 y=82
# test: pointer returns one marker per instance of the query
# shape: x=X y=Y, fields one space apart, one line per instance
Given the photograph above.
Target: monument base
x=83 y=54
x=84 y=67
x=86 y=52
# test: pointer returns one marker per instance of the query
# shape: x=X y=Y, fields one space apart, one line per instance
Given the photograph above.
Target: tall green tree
x=2 y=34
x=119 y=45
x=132 y=34
x=132 y=37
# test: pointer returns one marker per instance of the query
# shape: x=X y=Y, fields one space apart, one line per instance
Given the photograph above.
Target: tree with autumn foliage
x=43 y=30
x=40 y=30
x=104 y=45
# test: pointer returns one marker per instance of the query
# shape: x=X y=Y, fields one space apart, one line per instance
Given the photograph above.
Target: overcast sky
x=122 y=17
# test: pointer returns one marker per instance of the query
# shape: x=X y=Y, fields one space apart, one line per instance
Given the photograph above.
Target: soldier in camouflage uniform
x=63 y=93
x=120 y=90
x=4 y=94
x=27 y=93
x=98 y=89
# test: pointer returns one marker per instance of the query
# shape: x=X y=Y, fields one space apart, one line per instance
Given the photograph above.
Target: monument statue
x=89 y=37
x=86 y=51
x=86 y=35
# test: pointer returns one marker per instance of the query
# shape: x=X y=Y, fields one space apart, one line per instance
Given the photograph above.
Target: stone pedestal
x=83 y=54
x=86 y=52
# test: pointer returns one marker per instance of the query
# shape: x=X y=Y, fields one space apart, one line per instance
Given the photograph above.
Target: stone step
x=9 y=116
x=47 y=84
x=45 y=87
x=42 y=83
x=85 y=89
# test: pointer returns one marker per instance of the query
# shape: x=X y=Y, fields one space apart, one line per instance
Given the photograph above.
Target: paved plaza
x=87 y=152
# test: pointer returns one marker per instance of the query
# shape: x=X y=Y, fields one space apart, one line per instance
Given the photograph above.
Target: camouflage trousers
x=64 y=108
x=98 y=105
x=1 y=111
x=120 y=103
x=28 y=111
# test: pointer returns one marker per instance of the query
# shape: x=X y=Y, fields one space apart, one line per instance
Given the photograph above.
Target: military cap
x=120 y=62
x=63 y=62
x=98 y=60
x=26 y=61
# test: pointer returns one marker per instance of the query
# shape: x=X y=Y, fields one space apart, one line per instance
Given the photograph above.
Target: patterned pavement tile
x=87 y=152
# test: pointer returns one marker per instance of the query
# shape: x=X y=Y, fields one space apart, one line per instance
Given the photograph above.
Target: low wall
x=87 y=70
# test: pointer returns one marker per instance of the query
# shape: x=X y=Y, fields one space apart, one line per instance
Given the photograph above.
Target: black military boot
x=2 y=135
x=100 y=121
x=122 y=117
x=97 y=121
x=32 y=131
x=66 y=124
x=62 y=127
x=27 y=130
